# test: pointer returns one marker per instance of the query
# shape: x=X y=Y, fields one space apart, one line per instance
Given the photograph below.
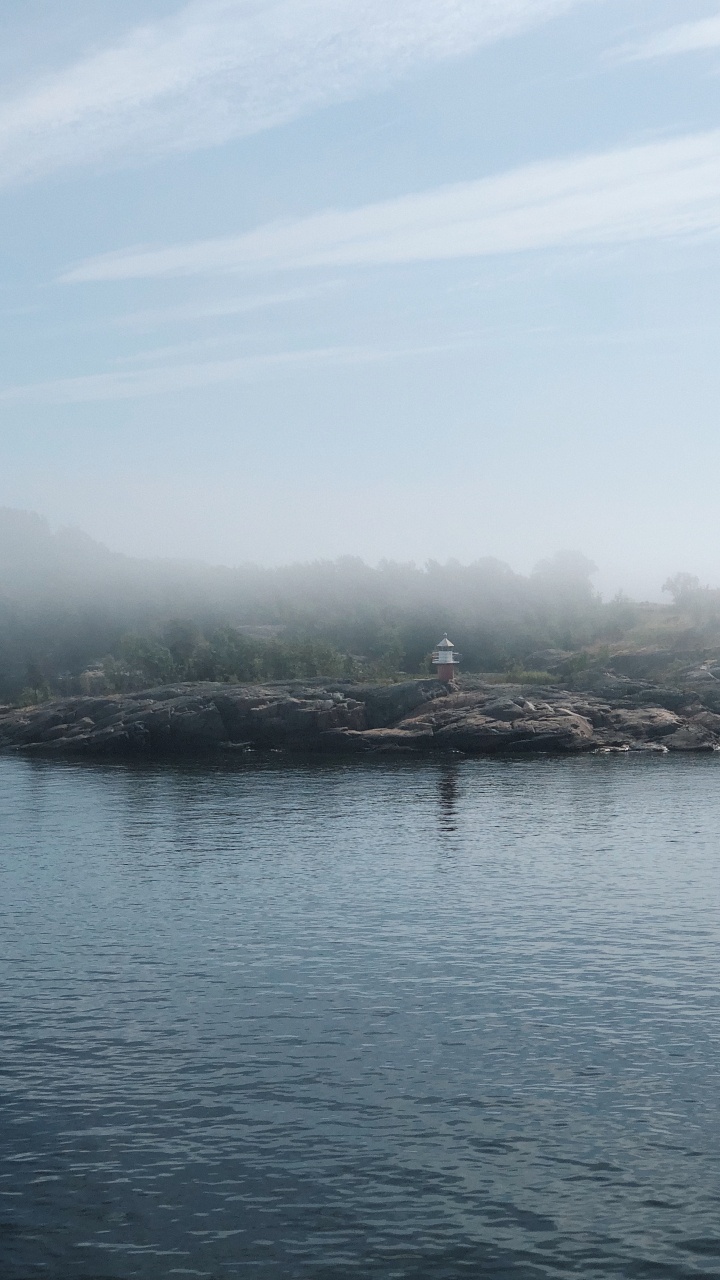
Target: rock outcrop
x=418 y=715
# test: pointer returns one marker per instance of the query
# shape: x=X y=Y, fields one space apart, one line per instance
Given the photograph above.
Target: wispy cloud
x=659 y=190
x=686 y=37
x=221 y=69
x=166 y=378
x=192 y=312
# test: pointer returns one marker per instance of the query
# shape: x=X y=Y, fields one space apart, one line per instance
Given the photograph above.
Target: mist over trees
x=74 y=615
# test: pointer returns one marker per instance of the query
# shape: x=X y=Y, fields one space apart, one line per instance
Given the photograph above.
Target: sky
x=407 y=279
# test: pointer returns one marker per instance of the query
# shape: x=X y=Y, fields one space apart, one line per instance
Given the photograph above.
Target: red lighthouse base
x=445 y=672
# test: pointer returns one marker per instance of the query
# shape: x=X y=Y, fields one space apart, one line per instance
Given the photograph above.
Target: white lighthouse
x=445 y=660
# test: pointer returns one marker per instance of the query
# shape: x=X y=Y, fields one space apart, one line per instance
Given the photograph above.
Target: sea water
x=385 y=1018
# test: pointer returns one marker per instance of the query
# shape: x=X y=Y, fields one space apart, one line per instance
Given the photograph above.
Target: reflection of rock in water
x=448 y=795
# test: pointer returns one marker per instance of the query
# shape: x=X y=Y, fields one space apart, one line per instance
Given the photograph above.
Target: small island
x=102 y=655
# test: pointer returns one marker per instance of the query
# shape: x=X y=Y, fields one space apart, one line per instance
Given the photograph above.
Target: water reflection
x=448 y=799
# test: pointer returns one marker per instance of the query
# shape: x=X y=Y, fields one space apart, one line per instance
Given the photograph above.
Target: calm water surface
x=393 y=1019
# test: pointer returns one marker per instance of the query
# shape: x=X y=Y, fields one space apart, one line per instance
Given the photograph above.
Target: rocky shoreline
x=336 y=717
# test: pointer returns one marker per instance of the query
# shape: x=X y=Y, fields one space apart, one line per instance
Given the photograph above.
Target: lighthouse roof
x=445 y=643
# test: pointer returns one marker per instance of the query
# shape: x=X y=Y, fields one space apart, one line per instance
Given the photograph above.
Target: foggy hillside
x=68 y=604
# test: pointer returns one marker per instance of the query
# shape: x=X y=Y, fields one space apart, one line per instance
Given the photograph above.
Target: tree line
x=73 y=616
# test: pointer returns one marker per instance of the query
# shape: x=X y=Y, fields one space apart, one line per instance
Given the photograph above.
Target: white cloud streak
x=192 y=312
x=164 y=379
x=222 y=69
x=686 y=37
x=658 y=190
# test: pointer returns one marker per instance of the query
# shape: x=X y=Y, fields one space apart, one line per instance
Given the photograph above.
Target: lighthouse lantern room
x=445 y=660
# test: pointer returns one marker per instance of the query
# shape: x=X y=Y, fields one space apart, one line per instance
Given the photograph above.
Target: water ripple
x=398 y=1019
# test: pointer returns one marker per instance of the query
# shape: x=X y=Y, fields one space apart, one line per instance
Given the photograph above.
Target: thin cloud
x=659 y=190
x=190 y=313
x=222 y=69
x=686 y=37
x=167 y=378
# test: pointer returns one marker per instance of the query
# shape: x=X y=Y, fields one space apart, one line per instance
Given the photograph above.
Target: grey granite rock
x=418 y=716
